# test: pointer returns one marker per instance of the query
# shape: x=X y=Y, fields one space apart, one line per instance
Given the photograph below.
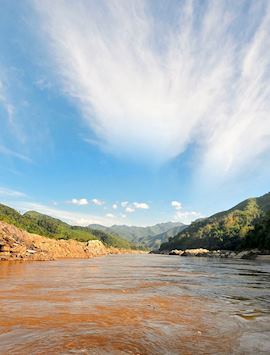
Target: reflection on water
x=135 y=304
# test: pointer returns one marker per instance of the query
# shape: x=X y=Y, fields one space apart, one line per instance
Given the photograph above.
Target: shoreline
x=251 y=254
x=19 y=245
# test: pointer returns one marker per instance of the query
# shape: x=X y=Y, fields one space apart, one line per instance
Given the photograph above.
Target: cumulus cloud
x=141 y=205
x=196 y=79
x=184 y=215
x=124 y=204
x=129 y=209
x=187 y=216
x=110 y=215
x=176 y=204
x=98 y=202
x=79 y=202
x=114 y=206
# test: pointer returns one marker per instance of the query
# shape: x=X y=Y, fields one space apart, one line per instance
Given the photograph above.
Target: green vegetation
x=259 y=237
x=243 y=226
x=108 y=239
x=147 y=237
x=34 y=222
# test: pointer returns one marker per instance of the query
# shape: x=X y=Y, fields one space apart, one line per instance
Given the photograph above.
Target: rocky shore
x=16 y=244
x=200 y=252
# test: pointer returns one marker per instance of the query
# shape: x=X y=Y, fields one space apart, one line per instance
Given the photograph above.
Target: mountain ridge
x=47 y=226
x=227 y=229
x=149 y=236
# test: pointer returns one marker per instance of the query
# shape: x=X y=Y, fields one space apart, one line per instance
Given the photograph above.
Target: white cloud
x=98 y=202
x=123 y=215
x=9 y=152
x=186 y=216
x=141 y=205
x=4 y=100
x=176 y=204
x=114 y=206
x=11 y=193
x=124 y=204
x=197 y=80
x=43 y=84
x=79 y=202
x=130 y=209
x=13 y=128
x=110 y=215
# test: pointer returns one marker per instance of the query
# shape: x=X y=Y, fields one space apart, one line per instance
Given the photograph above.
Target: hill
x=154 y=242
x=150 y=237
x=17 y=244
x=35 y=222
x=259 y=237
x=229 y=230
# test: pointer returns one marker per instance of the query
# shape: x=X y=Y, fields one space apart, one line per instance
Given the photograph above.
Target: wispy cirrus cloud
x=195 y=79
x=6 y=192
x=9 y=126
x=5 y=102
x=9 y=152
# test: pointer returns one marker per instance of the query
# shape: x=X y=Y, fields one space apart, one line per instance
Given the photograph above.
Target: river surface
x=135 y=304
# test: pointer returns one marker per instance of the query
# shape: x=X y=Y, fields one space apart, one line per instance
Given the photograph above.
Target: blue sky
x=133 y=112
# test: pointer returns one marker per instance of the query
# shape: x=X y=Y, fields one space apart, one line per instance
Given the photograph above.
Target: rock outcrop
x=176 y=252
x=16 y=244
x=245 y=254
x=195 y=252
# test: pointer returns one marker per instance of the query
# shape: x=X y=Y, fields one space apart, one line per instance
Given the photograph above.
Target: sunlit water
x=135 y=304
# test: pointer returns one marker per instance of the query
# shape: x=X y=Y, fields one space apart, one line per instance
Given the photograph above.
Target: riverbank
x=200 y=252
x=16 y=244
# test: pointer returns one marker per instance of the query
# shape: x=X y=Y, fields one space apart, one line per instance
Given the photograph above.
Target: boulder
x=196 y=252
x=4 y=248
x=248 y=254
x=176 y=252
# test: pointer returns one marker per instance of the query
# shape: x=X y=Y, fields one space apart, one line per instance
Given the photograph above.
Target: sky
x=133 y=112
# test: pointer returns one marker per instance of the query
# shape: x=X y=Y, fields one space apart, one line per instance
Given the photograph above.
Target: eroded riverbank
x=135 y=304
x=16 y=244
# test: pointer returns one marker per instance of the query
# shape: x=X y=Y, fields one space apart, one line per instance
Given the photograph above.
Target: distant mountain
x=155 y=241
x=35 y=222
x=230 y=229
x=150 y=237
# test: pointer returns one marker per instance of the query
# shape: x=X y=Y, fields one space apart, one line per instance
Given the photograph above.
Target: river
x=135 y=304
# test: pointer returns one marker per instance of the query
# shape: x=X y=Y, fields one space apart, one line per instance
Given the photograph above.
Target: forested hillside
x=34 y=222
x=245 y=225
x=149 y=237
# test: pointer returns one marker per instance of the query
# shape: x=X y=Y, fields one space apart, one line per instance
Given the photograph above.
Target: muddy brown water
x=135 y=304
